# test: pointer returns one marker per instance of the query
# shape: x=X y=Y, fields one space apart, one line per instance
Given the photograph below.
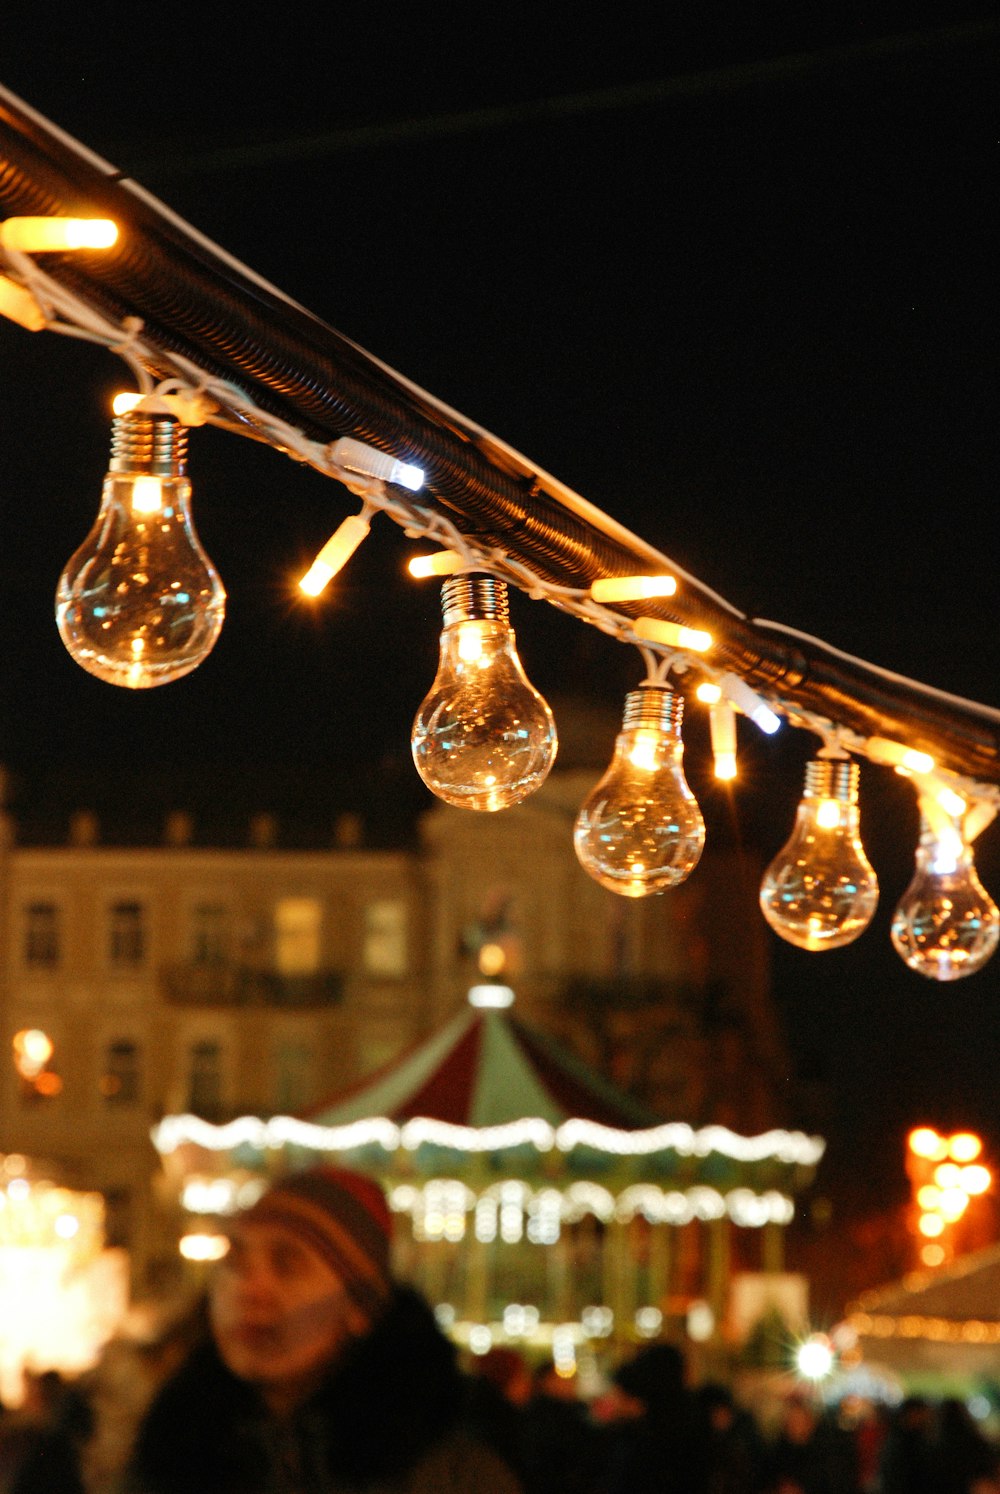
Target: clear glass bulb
x=946 y=925
x=820 y=891
x=640 y=830
x=483 y=737
x=140 y=603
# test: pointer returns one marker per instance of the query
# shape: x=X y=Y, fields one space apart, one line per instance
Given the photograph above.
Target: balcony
x=220 y=984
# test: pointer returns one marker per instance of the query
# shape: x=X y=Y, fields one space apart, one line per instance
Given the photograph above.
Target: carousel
x=535 y=1202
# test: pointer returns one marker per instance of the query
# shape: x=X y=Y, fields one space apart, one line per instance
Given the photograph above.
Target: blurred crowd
x=647 y=1432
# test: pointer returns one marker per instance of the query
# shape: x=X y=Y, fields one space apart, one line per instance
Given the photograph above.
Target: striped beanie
x=344 y=1217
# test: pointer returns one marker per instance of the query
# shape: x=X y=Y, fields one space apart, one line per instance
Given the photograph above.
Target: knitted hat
x=344 y=1217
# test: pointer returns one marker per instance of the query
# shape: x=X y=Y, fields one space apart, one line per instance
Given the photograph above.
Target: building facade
x=260 y=978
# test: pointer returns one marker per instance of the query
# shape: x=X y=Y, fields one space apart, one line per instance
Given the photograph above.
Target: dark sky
x=734 y=281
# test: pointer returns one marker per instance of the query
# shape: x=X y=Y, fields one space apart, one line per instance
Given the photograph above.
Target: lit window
x=126 y=934
x=297 y=929
x=210 y=934
x=119 y=1083
x=41 y=935
x=384 y=952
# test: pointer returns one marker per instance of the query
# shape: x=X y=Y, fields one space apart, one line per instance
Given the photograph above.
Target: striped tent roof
x=486 y=1068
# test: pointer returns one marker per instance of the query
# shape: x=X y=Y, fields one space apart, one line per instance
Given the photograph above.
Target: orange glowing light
x=931 y=1225
x=925 y=1142
x=964 y=1147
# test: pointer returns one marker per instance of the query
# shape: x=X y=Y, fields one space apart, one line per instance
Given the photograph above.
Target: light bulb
x=640 y=830
x=820 y=891
x=140 y=603
x=483 y=738
x=946 y=925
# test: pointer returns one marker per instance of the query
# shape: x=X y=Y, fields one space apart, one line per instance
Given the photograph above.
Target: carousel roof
x=486 y=1068
x=488 y=1083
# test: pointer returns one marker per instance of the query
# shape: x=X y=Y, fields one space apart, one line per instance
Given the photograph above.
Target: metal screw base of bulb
x=148 y=444
x=832 y=778
x=655 y=708
x=475 y=599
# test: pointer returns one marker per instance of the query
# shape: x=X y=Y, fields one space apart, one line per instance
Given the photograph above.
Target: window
x=126 y=934
x=384 y=951
x=41 y=935
x=293 y=1070
x=297 y=930
x=119 y=1081
x=205 y=1078
x=210 y=934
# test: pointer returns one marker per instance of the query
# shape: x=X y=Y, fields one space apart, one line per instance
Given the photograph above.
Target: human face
x=279 y=1312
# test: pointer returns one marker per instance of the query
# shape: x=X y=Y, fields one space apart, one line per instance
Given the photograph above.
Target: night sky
x=732 y=281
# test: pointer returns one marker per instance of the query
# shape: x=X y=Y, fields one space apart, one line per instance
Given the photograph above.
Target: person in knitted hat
x=319 y=1374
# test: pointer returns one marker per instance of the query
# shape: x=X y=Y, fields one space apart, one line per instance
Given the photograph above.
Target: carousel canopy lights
x=484 y=738
x=792 y=1147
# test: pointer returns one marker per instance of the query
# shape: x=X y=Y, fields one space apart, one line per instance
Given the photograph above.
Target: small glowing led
x=358 y=458
x=335 y=554
x=492 y=959
x=441 y=563
x=203 y=1247
x=43 y=235
x=672 y=634
x=722 y=728
x=952 y=803
x=147 y=495
x=67 y=1226
x=491 y=997
x=954 y=1202
x=814 y=1358
x=32 y=1051
x=947 y=1175
x=896 y=755
x=931 y=1225
x=632 y=588
x=750 y=703
x=709 y=693
x=928 y=1197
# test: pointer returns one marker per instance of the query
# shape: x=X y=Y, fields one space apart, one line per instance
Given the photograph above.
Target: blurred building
x=258 y=973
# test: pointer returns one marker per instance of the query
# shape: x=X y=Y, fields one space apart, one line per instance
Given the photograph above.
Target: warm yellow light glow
x=925 y=1142
x=725 y=765
x=20 y=306
x=43 y=235
x=932 y=1255
x=954 y=1202
x=708 y=693
x=147 y=495
x=198 y=1247
x=828 y=814
x=952 y=803
x=964 y=1146
x=470 y=642
x=976 y=1179
x=928 y=1197
x=441 y=563
x=126 y=401
x=335 y=554
x=931 y=1225
x=655 y=631
x=895 y=754
x=491 y=959
x=643 y=753
x=947 y=1175
x=632 y=588
x=32 y=1051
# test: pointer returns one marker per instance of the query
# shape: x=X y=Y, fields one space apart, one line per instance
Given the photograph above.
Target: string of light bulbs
x=140 y=604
